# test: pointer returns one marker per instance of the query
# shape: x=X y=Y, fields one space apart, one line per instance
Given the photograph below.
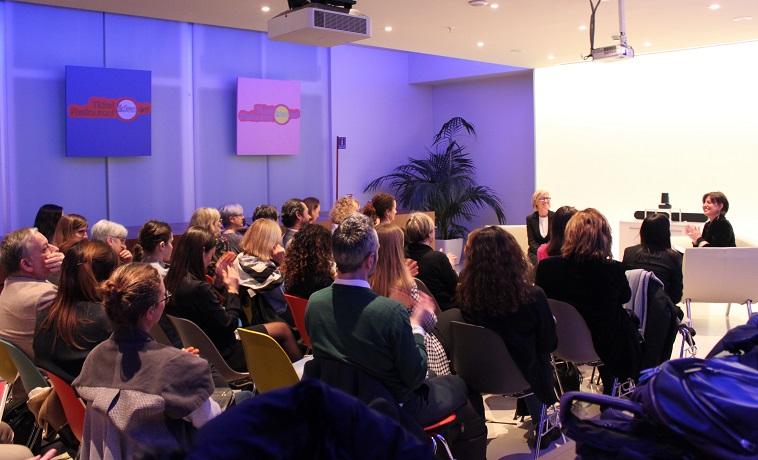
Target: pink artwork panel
x=268 y=117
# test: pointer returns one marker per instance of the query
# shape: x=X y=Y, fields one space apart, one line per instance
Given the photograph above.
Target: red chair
x=72 y=406
x=298 y=305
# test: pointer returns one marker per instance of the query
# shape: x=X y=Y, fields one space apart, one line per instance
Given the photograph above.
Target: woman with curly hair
x=343 y=208
x=588 y=278
x=308 y=263
x=495 y=292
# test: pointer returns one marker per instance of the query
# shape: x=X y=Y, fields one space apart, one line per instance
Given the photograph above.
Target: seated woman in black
x=717 y=232
x=655 y=254
x=434 y=267
x=586 y=277
x=76 y=321
x=494 y=292
x=218 y=315
x=538 y=223
x=308 y=264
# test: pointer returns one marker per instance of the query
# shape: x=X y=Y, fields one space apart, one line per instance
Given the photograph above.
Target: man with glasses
x=115 y=235
x=28 y=259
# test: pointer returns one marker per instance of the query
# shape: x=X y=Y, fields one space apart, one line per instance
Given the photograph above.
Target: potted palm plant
x=443 y=182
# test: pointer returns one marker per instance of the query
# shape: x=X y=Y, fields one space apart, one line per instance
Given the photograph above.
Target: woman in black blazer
x=717 y=232
x=538 y=223
x=586 y=277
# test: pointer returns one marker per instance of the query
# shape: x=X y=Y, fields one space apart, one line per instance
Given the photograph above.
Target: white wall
x=615 y=135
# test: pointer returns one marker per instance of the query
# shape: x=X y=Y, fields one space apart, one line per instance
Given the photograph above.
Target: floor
x=507 y=437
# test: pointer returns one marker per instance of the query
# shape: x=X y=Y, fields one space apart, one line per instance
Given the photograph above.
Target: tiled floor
x=507 y=440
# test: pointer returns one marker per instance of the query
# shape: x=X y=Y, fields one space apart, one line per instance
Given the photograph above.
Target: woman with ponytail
x=142 y=397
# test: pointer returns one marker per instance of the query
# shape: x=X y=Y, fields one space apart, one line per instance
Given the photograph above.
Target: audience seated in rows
x=294 y=215
x=115 y=235
x=557 y=232
x=233 y=220
x=76 y=321
x=586 y=277
x=434 y=267
x=392 y=279
x=140 y=395
x=28 y=259
x=495 y=292
x=71 y=229
x=654 y=254
x=260 y=277
x=351 y=324
x=216 y=313
x=308 y=263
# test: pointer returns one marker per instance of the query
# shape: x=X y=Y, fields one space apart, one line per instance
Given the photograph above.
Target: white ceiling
x=518 y=33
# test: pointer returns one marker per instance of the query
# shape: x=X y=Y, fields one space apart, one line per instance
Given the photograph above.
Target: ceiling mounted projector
x=620 y=51
x=346 y=4
x=320 y=24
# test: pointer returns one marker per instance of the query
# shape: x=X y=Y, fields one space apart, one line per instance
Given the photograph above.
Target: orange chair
x=72 y=406
x=298 y=305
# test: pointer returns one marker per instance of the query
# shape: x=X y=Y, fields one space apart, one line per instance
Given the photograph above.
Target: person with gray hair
x=114 y=234
x=351 y=324
x=233 y=220
x=28 y=259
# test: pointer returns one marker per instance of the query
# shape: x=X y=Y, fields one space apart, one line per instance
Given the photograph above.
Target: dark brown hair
x=65 y=232
x=655 y=232
x=719 y=198
x=151 y=234
x=588 y=237
x=85 y=266
x=130 y=291
x=558 y=228
x=188 y=256
x=382 y=203
x=495 y=279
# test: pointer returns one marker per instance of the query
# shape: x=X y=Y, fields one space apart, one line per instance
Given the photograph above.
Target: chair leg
x=749 y=305
x=555 y=371
x=687 y=303
x=540 y=431
x=728 y=308
x=615 y=387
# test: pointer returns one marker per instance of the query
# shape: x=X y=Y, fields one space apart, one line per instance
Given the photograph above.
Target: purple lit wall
x=387 y=103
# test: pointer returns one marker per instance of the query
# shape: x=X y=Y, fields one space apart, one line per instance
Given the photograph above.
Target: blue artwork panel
x=108 y=112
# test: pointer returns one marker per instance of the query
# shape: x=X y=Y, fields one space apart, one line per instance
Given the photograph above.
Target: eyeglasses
x=167 y=298
x=545 y=198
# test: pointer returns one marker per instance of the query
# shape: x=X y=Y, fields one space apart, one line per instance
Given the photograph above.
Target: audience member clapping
x=434 y=267
x=210 y=220
x=76 y=321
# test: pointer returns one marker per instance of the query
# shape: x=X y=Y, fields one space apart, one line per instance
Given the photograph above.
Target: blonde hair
x=260 y=239
x=205 y=218
x=418 y=227
x=391 y=271
x=587 y=236
x=343 y=208
x=536 y=197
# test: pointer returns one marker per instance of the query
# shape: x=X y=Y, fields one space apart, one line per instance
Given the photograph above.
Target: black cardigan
x=435 y=271
x=666 y=264
x=598 y=290
x=718 y=233
x=533 y=233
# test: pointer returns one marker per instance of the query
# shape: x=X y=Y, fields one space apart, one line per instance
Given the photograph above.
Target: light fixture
x=647 y=44
x=478 y=2
x=550 y=57
x=480 y=44
x=265 y=8
x=494 y=6
x=714 y=6
x=742 y=18
x=582 y=28
x=388 y=28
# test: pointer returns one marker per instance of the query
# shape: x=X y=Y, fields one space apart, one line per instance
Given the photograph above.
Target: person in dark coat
x=586 y=277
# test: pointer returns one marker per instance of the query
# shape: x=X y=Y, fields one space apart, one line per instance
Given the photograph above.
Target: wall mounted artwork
x=268 y=117
x=107 y=112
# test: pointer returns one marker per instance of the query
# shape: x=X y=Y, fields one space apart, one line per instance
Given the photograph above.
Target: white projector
x=614 y=51
x=319 y=25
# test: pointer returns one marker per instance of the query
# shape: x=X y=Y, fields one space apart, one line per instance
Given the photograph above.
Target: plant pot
x=453 y=246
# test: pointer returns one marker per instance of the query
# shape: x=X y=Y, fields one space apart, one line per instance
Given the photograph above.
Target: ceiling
x=525 y=33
